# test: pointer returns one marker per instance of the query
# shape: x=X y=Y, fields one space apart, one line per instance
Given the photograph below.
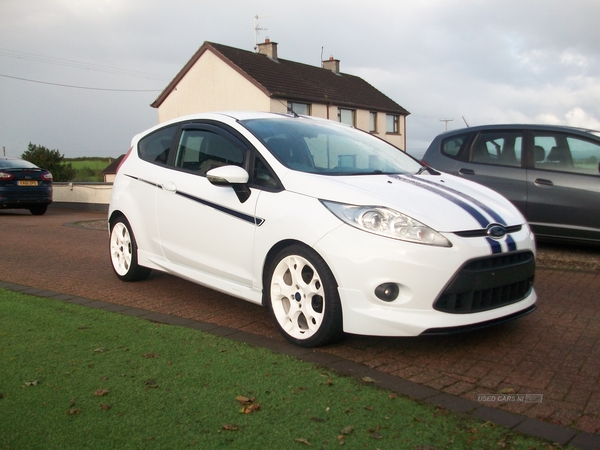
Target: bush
x=50 y=160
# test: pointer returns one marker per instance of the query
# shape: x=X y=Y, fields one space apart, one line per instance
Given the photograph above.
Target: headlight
x=387 y=222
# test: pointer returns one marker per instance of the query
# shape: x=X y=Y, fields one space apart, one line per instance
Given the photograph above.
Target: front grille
x=487 y=283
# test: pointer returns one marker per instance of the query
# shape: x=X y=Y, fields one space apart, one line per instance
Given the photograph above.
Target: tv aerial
x=258 y=29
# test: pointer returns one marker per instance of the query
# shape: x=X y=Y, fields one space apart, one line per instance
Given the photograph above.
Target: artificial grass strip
x=73 y=377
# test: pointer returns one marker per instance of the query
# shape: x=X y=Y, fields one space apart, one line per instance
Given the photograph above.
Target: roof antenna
x=465 y=121
x=257 y=29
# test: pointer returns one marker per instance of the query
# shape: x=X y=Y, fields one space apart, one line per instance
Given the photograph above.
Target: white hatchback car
x=331 y=228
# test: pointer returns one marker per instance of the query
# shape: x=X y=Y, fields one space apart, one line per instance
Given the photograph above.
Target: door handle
x=543 y=182
x=169 y=186
x=466 y=171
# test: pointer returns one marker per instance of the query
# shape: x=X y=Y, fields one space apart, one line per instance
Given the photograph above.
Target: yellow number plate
x=27 y=183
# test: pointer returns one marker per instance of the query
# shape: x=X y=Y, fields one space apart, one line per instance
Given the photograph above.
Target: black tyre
x=303 y=298
x=38 y=210
x=123 y=252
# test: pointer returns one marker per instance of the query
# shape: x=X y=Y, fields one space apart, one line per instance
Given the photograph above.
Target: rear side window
x=155 y=147
x=502 y=148
x=454 y=146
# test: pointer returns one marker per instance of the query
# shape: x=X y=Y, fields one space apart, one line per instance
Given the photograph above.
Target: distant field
x=89 y=169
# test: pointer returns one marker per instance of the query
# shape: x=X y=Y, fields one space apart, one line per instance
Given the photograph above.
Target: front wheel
x=123 y=252
x=303 y=298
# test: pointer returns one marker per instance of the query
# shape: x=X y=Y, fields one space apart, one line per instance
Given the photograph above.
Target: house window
x=346 y=116
x=302 y=109
x=373 y=122
x=391 y=124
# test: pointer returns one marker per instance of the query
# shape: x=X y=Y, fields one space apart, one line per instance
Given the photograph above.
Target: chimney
x=268 y=48
x=332 y=64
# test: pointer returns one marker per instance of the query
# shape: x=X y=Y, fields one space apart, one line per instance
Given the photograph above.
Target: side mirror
x=233 y=176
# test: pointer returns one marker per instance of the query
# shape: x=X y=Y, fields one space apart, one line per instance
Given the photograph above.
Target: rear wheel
x=123 y=252
x=38 y=210
x=303 y=298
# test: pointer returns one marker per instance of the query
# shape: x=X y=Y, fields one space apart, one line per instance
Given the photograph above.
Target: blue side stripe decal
x=245 y=217
x=442 y=191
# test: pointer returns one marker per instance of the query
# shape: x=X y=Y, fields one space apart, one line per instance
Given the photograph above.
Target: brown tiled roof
x=291 y=80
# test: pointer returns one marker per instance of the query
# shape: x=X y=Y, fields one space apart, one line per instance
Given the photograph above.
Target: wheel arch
x=273 y=252
x=115 y=215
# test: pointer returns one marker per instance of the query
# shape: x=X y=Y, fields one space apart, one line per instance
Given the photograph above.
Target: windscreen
x=16 y=164
x=328 y=148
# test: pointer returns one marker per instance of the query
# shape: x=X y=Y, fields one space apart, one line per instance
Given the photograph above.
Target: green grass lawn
x=73 y=377
x=89 y=169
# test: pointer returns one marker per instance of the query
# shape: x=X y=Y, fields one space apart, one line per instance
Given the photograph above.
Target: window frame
x=395 y=124
x=373 y=121
x=351 y=111
x=291 y=110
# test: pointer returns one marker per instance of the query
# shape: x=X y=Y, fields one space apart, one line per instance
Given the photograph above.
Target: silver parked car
x=551 y=173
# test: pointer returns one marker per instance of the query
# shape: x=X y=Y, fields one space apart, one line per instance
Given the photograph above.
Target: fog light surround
x=388 y=292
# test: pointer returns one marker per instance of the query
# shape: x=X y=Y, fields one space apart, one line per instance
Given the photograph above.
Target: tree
x=50 y=160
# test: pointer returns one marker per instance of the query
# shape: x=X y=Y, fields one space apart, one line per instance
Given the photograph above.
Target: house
x=221 y=78
x=111 y=171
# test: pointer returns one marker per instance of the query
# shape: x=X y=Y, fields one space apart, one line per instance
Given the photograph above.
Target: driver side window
x=201 y=150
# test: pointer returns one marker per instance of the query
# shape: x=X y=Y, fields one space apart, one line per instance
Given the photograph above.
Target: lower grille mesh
x=488 y=283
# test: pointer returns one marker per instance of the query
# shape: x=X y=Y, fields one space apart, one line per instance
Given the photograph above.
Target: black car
x=551 y=173
x=24 y=185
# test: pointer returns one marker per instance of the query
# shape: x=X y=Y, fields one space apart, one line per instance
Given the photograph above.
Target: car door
x=563 y=186
x=204 y=227
x=495 y=160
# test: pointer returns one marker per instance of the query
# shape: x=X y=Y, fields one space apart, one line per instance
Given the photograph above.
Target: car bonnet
x=443 y=202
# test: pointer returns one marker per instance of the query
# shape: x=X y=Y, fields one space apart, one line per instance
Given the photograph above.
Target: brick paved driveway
x=555 y=351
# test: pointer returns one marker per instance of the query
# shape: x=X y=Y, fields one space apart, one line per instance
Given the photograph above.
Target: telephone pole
x=446 y=120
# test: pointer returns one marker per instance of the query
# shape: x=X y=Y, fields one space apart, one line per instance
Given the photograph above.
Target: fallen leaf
x=229 y=427
x=316 y=419
x=99 y=350
x=151 y=355
x=369 y=380
x=106 y=407
x=100 y=392
x=393 y=396
x=507 y=391
x=369 y=408
x=72 y=402
x=347 y=430
x=303 y=441
x=245 y=400
x=376 y=435
x=31 y=383
x=250 y=408
x=72 y=412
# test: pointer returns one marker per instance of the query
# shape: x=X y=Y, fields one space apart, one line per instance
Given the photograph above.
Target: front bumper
x=438 y=288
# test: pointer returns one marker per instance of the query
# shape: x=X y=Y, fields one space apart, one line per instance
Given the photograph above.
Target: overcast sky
x=482 y=60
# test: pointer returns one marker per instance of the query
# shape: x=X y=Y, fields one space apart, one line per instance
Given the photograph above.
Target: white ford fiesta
x=331 y=228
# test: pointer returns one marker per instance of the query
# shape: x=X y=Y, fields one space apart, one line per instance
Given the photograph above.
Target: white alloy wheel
x=123 y=252
x=303 y=298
